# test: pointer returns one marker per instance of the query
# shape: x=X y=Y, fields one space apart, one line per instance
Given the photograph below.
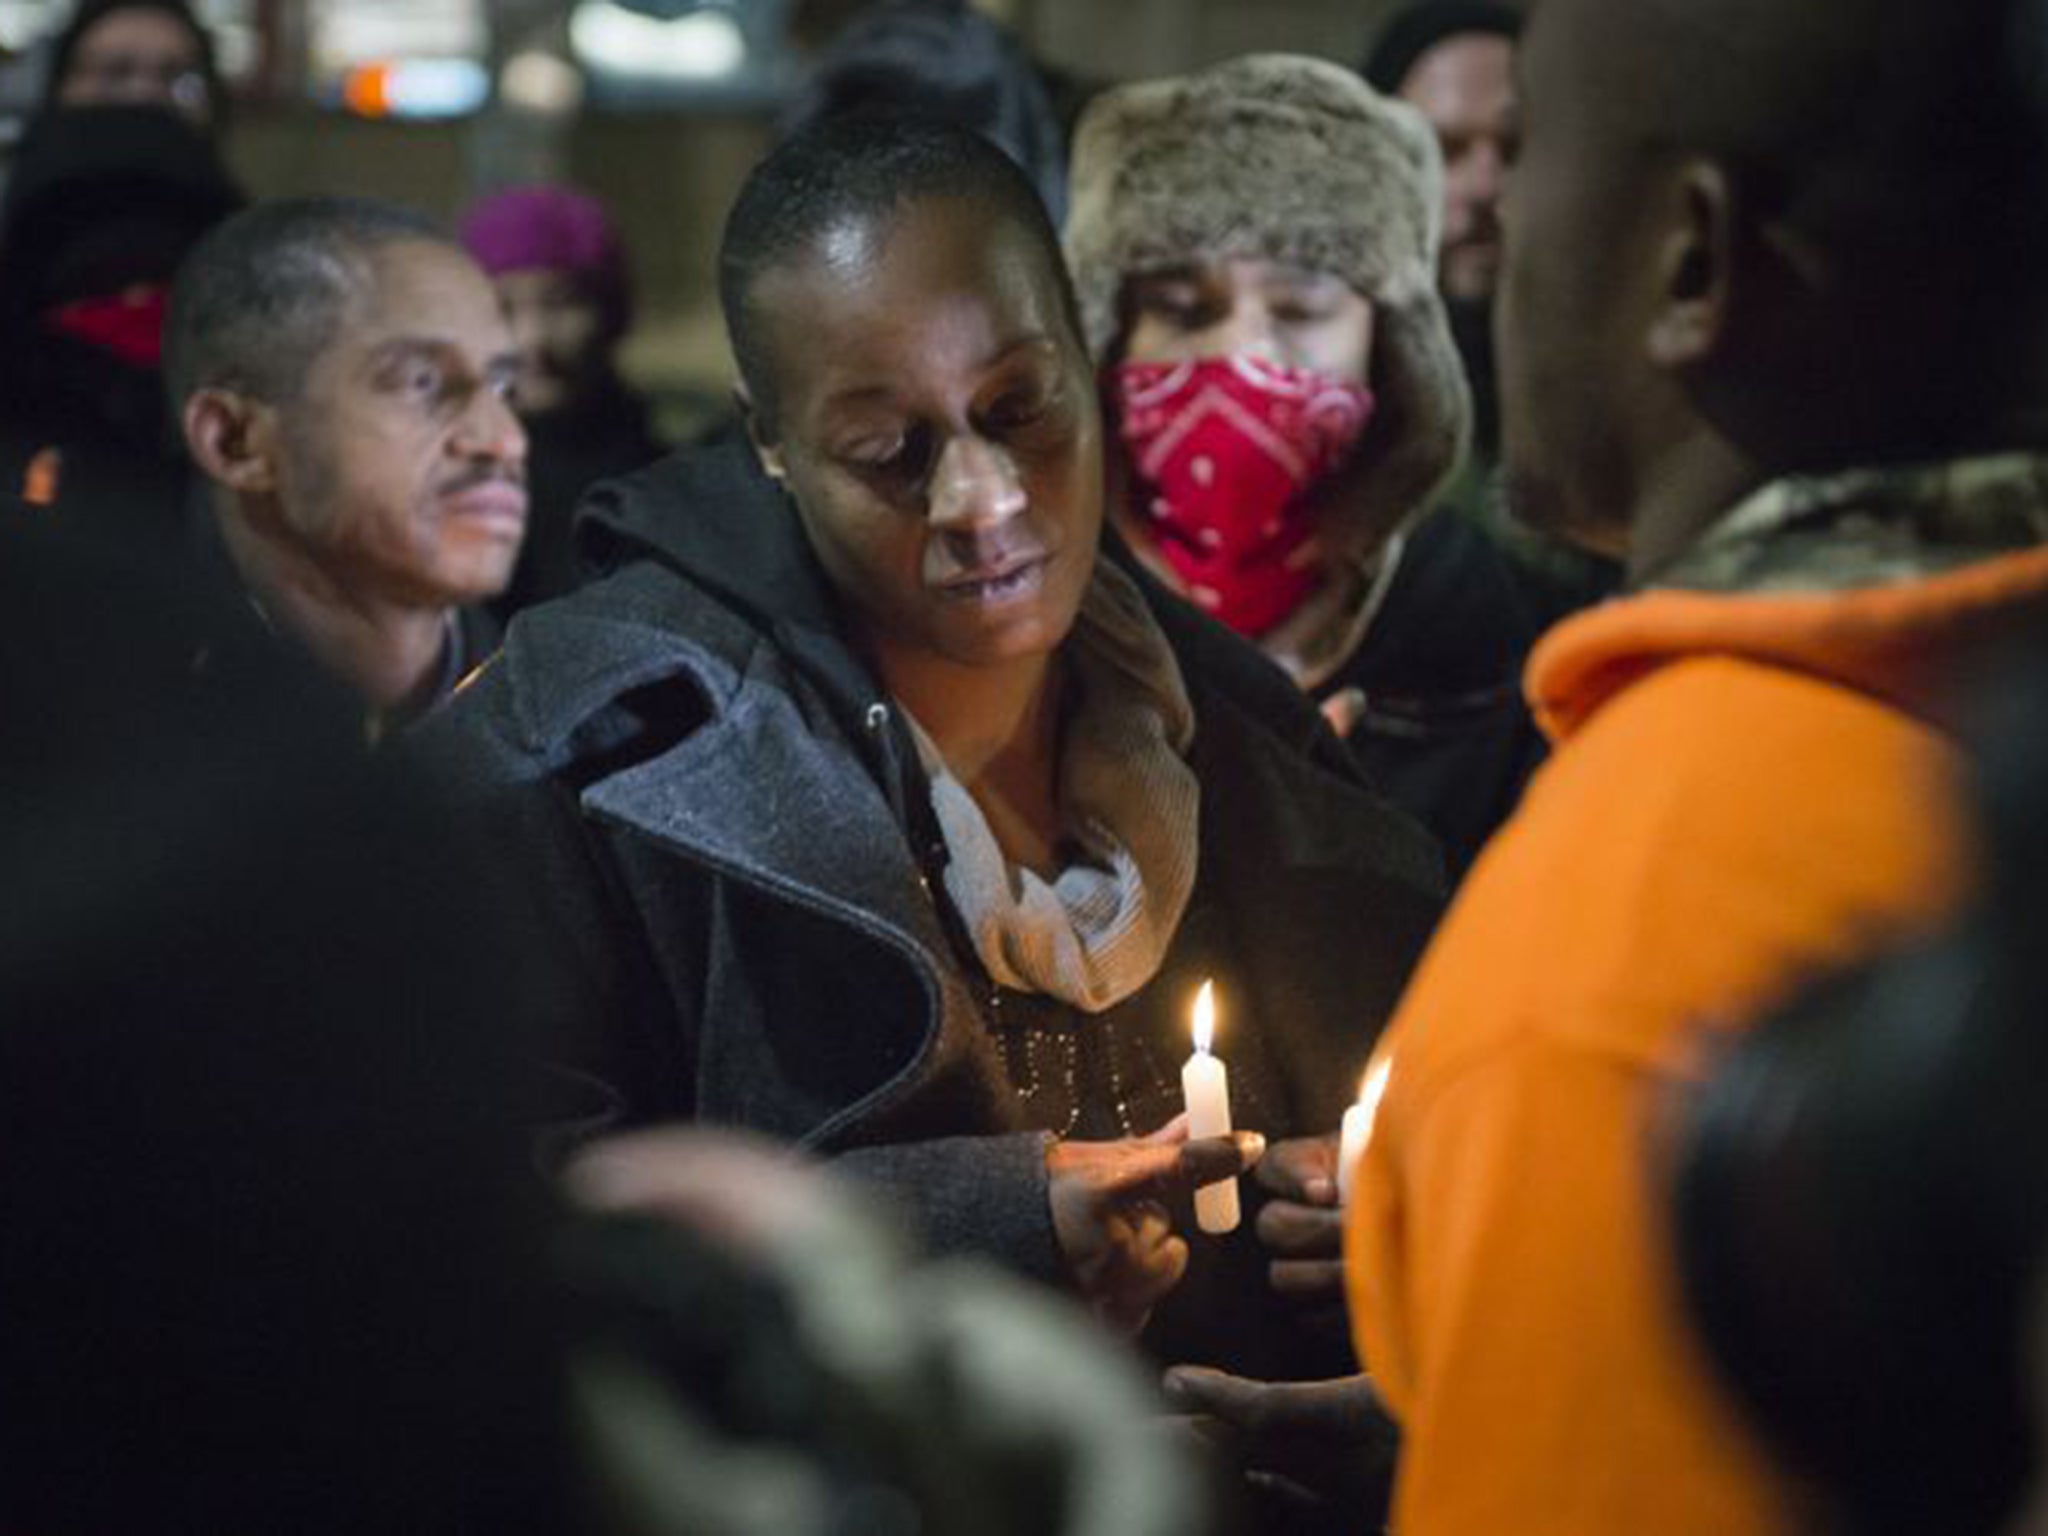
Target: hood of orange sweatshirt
x=1881 y=580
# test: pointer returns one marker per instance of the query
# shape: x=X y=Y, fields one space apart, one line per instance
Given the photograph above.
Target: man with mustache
x=342 y=373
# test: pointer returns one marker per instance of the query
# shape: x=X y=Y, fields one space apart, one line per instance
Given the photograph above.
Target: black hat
x=1415 y=29
x=106 y=195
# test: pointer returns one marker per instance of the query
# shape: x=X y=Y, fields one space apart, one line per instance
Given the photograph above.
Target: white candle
x=1357 y=1129
x=1207 y=1087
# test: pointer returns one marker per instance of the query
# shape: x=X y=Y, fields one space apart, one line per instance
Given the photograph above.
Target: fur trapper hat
x=1293 y=159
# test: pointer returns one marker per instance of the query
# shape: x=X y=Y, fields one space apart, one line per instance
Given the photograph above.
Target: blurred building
x=657 y=106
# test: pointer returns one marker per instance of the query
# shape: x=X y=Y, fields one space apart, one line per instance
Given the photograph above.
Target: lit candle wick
x=1357 y=1128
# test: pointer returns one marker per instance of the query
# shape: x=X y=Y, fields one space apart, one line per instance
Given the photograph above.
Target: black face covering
x=91 y=388
x=65 y=384
x=103 y=199
x=101 y=394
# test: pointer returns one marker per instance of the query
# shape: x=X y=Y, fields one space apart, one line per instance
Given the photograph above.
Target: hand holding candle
x=1207 y=1087
x=1110 y=1217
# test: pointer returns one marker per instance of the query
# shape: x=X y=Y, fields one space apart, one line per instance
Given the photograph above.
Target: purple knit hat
x=547 y=226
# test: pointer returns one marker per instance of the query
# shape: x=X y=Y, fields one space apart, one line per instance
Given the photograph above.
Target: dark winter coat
x=726 y=825
x=1445 y=733
x=205 y=572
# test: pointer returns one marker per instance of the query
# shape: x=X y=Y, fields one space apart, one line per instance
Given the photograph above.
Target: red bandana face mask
x=1225 y=450
x=129 y=324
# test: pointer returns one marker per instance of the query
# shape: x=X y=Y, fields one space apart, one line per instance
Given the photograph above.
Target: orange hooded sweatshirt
x=1745 y=787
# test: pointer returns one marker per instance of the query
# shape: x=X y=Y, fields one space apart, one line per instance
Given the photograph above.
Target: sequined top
x=1101 y=1076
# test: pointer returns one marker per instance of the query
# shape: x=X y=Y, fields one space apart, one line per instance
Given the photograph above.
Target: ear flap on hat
x=1422 y=427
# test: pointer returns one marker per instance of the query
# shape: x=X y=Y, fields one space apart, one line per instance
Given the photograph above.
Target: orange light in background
x=366 y=90
x=416 y=88
x=44 y=474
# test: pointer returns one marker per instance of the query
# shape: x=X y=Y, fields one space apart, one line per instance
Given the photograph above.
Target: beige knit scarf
x=1129 y=803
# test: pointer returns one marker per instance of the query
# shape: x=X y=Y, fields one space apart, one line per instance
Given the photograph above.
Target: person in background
x=1861 y=1214
x=560 y=270
x=1454 y=62
x=272 y=1253
x=343 y=375
x=1742 y=348
x=758 y=1352
x=1860 y=1191
x=137 y=53
x=945 y=59
x=1254 y=248
x=102 y=205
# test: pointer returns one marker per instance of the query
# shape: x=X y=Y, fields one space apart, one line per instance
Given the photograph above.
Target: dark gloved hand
x=1317 y=1455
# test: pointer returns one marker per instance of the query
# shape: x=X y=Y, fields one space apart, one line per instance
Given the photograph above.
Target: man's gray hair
x=264 y=292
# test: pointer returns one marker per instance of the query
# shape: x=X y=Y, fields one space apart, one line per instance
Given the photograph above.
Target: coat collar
x=711 y=513
x=795 y=814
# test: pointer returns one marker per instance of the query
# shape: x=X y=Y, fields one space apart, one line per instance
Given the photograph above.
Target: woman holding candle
x=876 y=810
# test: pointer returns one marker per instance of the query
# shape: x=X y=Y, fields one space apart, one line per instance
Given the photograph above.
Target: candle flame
x=1372 y=1088
x=1205 y=1016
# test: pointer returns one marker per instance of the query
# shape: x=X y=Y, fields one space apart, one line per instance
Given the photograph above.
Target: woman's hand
x=1109 y=1211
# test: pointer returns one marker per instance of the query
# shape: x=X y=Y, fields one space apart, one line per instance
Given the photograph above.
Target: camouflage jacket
x=1869 y=527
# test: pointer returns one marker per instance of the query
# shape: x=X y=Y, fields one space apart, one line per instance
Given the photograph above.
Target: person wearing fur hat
x=1254 y=248
x=1454 y=62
